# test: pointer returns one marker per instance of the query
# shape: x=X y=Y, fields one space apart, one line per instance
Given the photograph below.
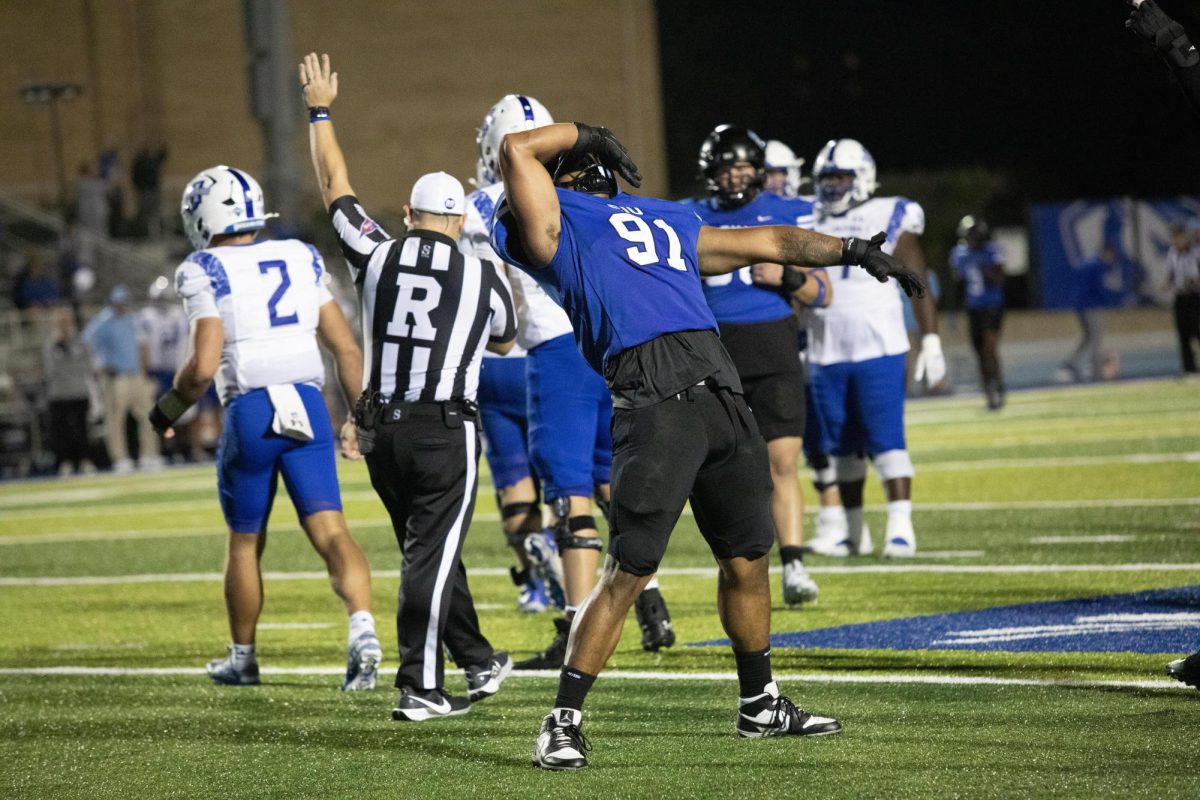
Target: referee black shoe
x=769 y=714
x=1186 y=670
x=554 y=656
x=483 y=680
x=417 y=705
x=655 y=620
x=561 y=744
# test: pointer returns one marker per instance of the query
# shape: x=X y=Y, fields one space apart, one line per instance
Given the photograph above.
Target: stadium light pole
x=51 y=94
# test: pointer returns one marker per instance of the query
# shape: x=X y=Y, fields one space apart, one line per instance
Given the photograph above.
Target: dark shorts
x=984 y=320
x=704 y=447
x=778 y=403
x=767 y=358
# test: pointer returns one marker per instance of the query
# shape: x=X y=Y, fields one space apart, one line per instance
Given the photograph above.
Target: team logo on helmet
x=196 y=194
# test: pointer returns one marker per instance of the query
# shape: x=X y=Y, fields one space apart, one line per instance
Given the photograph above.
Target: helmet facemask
x=592 y=177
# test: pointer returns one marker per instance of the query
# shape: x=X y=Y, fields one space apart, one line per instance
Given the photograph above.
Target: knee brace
x=894 y=464
x=510 y=510
x=850 y=469
x=566 y=533
x=824 y=476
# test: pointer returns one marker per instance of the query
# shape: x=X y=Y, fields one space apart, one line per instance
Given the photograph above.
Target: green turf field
x=111 y=601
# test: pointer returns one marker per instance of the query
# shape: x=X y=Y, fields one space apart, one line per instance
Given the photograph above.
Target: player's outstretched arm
x=320 y=85
x=194 y=377
x=529 y=189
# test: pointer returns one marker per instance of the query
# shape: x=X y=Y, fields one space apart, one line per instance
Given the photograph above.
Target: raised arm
x=529 y=189
x=320 y=86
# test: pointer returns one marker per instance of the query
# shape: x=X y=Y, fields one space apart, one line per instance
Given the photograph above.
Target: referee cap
x=438 y=193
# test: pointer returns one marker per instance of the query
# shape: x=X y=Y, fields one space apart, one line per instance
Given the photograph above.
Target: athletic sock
x=754 y=671
x=901 y=508
x=653 y=584
x=361 y=622
x=899 y=519
x=573 y=687
x=243 y=655
x=790 y=553
x=854 y=523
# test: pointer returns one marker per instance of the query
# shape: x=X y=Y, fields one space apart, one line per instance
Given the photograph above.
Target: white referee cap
x=438 y=193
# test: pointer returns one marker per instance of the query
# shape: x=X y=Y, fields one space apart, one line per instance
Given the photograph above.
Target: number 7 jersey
x=268 y=296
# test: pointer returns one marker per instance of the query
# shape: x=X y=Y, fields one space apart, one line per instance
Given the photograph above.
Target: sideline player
x=570 y=420
x=979 y=264
x=627 y=271
x=856 y=349
x=257 y=309
x=760 y=331
x=783 y=176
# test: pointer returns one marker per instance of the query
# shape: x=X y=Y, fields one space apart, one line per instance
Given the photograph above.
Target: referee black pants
x=424 y=466
x=1187 y=327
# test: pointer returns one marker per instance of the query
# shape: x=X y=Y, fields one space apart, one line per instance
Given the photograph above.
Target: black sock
x=790 y=553
x=754 y=671
x=573 y=687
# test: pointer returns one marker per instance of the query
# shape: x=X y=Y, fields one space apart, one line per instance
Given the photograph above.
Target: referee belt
x=387 y=411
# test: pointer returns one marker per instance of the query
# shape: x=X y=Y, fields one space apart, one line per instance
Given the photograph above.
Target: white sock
x=900 y=507
x=831 y=515
x=854 y=523
x=243 y=654
x=361 y=622
x=899 y=522
x=653 y=584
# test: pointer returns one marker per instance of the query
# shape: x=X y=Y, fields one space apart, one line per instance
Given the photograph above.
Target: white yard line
x=704 y=572
x=1062 y=461
x=899 y=678
x=1109 y=538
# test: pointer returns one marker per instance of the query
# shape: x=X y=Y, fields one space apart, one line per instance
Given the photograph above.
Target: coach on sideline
x=428 y=312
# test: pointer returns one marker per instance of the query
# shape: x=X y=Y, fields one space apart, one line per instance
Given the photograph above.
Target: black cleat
x=769 y=714
x=1186 y=670
x=417 y=705
x=554 y=656
x=655 y=620
x=483 y=680
x=561 y=745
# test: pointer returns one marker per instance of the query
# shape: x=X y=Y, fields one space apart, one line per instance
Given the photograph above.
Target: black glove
x=793 y=279
x=611 y=152
x=879 y=265
x=169 y=408
x=1168 y=36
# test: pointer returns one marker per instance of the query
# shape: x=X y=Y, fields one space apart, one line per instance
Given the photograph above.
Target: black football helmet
x=593 y=177
x=728 y=145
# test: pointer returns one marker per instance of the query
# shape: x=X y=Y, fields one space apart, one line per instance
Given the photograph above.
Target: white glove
x=931 y=364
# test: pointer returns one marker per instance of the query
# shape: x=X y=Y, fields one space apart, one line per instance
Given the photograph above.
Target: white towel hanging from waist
x=291 y=417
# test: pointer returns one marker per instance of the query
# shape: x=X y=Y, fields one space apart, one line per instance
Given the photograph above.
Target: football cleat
x=226 y=671
x=531 y=595
x=798 y=585
x=901 y=541
x=542 y=549
x=847 y=546
x=483 y=680
x=362 y=662
x=561 y=744
x=1186 y=670
x=418 y=705
x=554 y=656
x=769 y=714
x=655 y=620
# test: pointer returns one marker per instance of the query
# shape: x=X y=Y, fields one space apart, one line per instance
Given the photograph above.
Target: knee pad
x=824 y=477
x=566 y=533
x=850 y=469
x=894 y=464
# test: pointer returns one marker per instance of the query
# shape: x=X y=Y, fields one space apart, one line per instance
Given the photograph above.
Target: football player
x=163 y=330
x=856 y=349
x=760 y=330
x=978 y=262
x=783 y=175
x=257 y=309
x=569 y=418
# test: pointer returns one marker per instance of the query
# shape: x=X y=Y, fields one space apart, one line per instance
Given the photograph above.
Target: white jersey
x=865 y=319
x=268 y=297
x=539 y=318
x=164 y=332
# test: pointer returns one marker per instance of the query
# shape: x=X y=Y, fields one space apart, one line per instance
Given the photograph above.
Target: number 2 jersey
x=268 y=296
x=866 y=318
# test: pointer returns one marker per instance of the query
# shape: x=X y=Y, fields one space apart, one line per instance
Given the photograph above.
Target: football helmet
x=781 y=157
x=837 y=158
x=514 y=113
x=974 y=228
x=725 y=146
x=592 y=178
x=221 y=199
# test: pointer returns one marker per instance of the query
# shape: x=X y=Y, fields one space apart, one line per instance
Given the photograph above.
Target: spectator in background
x=1090 y=295
x=34 y=288
x=113 y=336
x=978 y=263
x=1183 y=281
x=147 y=181
x=91 y=200
x=67 y=363
x=109 y=168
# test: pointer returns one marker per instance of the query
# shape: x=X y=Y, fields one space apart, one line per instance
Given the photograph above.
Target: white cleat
x=900 y=547
x=845 y=546
x=798 y=585
x=362 y=663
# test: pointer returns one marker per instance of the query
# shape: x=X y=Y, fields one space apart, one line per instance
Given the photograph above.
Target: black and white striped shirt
x=428 y=310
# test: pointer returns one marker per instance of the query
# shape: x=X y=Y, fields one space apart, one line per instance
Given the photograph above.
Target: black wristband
x=854 y=250
x=793 y=279
x=169 y=408
x=318 y=113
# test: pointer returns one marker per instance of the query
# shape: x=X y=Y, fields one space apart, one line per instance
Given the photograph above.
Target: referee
x=428 y=313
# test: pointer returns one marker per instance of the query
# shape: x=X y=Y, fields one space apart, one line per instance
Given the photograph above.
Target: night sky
x=1056 y=95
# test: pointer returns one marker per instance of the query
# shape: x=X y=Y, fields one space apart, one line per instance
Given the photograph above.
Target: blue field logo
x=1158 y=621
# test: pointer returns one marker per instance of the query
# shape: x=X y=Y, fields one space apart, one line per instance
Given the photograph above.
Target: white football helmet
x=842 y=157
x=780 y=156
x=221 y=199
x=514 y=113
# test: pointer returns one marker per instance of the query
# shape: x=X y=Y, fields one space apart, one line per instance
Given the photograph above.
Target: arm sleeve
x=358 y=233
x=504 y=319
x=195 y=287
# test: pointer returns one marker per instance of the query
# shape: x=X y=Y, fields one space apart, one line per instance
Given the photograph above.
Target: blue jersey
x=733 y=297
x=626 y=270
x=971 y=266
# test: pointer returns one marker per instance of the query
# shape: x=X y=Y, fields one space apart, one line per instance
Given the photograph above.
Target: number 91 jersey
x=268 y=296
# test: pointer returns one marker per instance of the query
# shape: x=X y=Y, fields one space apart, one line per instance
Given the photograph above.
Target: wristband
x=854 y=250
x=172 y=406
x=819 y=300
x=318 y=113
x=792 y=279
